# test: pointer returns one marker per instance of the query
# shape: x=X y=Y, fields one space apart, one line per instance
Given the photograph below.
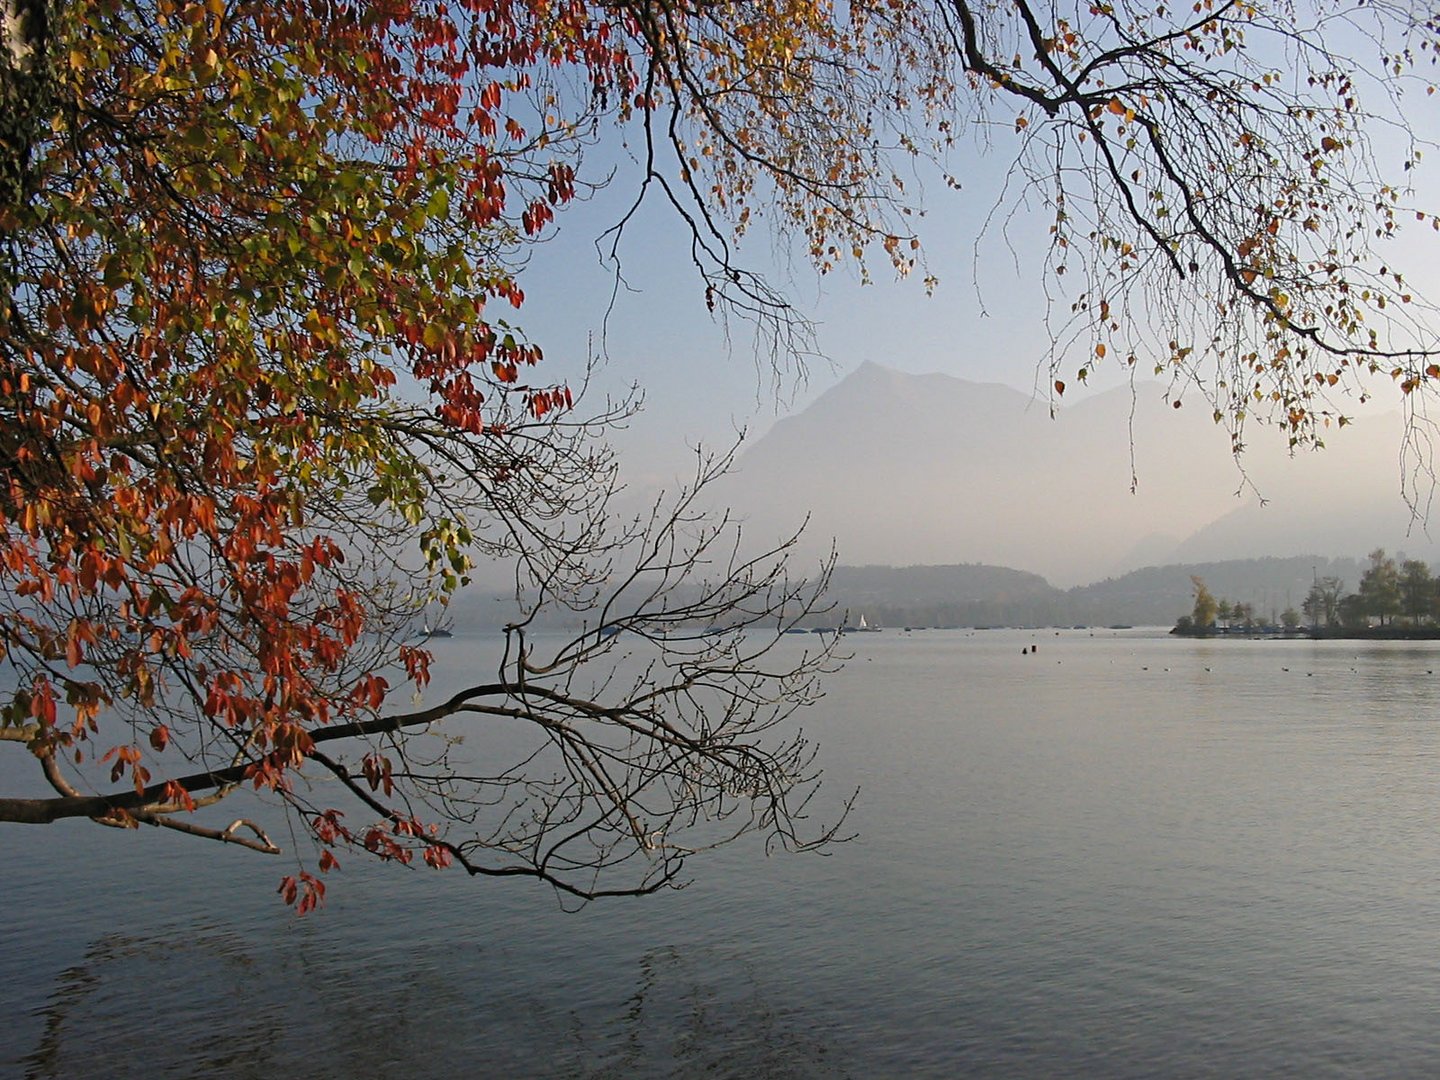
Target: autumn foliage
x=261 y=404
x=260 y=401
x=245 y=225
x=250 y=220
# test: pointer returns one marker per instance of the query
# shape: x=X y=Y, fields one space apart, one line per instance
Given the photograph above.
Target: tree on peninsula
x=1380 y=587
x=261 y=398
x=1322 y=602
x=1417 y=591
x=1206 y=609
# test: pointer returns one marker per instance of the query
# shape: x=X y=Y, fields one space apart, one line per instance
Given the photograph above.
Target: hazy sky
x=698 y=385
x=661 y=335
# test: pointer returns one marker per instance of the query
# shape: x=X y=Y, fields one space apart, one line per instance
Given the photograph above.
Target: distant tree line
x=1390 y=595
x=973 y=594
x=1210 y=616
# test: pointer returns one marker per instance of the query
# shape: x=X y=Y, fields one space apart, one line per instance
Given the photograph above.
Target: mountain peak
x=874 y=387
x=933 y=469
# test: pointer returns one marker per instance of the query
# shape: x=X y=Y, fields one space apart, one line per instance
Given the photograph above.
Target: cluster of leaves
x=241 y=227
x=257 y=411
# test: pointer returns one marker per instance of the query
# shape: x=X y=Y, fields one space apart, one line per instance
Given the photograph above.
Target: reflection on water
x=195 y=1003
x=209 y=1005
x=702 y=1013
x=1126 y=857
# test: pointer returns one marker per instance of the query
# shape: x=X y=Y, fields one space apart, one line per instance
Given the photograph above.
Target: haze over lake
x=1120 y=855
x=905 y=469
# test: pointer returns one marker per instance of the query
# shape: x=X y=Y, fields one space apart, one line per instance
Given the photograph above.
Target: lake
x=1120 y=855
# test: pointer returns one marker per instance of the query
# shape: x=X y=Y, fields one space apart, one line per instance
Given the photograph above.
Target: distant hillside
x=975 y=594
x=969 y=595
x=1158 y=595
x=929 y=469
x=978 y=595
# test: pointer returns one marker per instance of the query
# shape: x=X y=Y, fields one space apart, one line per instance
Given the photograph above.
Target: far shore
x=1336 y=633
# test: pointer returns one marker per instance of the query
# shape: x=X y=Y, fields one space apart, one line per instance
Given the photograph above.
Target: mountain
x=973 y=594
x=930 y=469
x=970 y=595
x=1158 y=595
x=978 y=595
x=1348 y=502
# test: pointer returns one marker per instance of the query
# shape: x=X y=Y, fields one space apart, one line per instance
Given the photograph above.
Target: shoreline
x=1370 y=633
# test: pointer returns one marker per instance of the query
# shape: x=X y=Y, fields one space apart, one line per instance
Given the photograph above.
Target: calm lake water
x=1123 y=855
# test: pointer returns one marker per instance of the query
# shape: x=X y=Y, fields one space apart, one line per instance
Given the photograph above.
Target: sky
x=984 y=322
x=700 y=382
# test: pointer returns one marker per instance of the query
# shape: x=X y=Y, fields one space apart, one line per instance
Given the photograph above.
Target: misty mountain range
x=911 y=470
x=977 y=595
x=961 y=503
